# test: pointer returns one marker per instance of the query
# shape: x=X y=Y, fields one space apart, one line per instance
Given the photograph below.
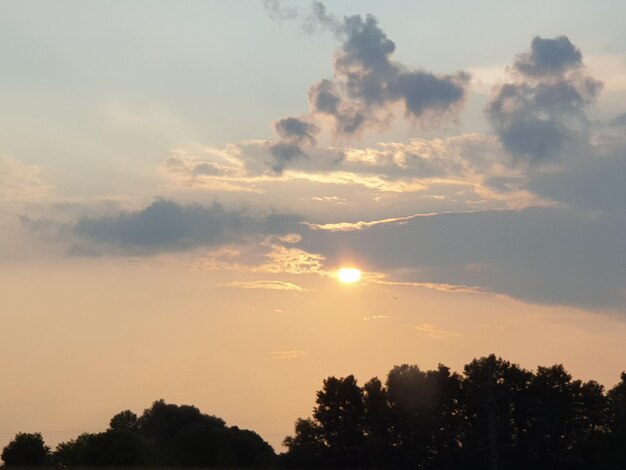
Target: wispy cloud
x=277 y=11
x=286 y=259
x=361 y=225
x=290 y=354
x=435 y=168
x=435 y=333
x=264 y=284
x=376 y=317
x=20 y=182
x=438 y=286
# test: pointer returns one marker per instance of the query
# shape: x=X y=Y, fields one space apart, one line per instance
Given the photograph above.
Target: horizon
x=222 y=206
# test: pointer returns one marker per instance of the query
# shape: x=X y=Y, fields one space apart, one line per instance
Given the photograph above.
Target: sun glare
x=349 y=275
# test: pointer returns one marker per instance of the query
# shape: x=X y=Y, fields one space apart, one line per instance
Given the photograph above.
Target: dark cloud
x=283 y=154
x=367 y=81
x=165 y=225
x=541 y=255
x=424 y=92
x=548 y=57
x=325 y=98
x=297 y=130
x=596 y=184
x=295 y=134
x=545 y=107
x=367 y=84
x=619 y=121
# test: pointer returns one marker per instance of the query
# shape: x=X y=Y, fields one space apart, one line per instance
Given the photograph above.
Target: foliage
x=164 y=435
x=25 y=450
x=496 y=414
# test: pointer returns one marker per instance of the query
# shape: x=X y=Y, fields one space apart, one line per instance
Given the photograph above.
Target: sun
x=349 y=275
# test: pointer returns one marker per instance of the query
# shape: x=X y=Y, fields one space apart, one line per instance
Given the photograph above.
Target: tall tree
x=615 y=446
x=340 y=413
x=26 y=449
x=306 y=449
x=378 y=450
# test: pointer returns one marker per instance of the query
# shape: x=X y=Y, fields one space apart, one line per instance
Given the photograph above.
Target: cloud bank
x=541 y=255
x=166 y=225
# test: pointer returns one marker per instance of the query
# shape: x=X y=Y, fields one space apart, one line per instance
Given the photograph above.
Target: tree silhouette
x=614 y=451
x=166 y=435
x=25 y=450
x=340 y=414
x=123 y=421
x=306 y=449
x=378 y=449
x=496 y=415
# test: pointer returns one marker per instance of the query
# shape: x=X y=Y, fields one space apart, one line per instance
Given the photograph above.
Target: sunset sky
x=181 y=181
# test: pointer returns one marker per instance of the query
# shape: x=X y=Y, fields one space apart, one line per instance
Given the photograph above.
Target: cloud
x=296 y=135
x=277 y=11
x=549 y=255
x=595 y=183
x=619 y=121
x=535 y=115
x=367 y=82
x=290 y=354
x=376 y=317
x=284 y=153
x=435 y=167
x=283 y=259
x=435 y=333
x=166 y=225
x=549 y=57
x=263 y=284
x=297 y=130
x=366 y=88
x=273 y=255
x=20 y=182
x=361 y=225
x=441 y=287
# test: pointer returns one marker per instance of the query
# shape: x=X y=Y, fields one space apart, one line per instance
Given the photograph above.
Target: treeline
x=496 y=415
x=165 y=435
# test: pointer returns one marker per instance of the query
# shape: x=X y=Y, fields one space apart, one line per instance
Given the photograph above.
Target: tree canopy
x=26 y=450
x=165 y=435
x=493 y=415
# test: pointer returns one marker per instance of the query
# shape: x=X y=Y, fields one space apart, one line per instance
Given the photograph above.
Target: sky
x=181 y=181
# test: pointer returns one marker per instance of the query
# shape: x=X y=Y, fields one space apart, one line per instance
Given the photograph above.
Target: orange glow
x=349 y=275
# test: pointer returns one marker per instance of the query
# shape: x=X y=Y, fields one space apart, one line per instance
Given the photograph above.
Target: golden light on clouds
x=349 y=275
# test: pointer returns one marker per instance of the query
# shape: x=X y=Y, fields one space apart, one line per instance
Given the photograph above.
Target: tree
x=166 y=435
x=123 y=421
x=496 y=404
x=306 y=449
x=340 y=414
x=26 y=450
x=378 y=450
x=498 y=415
x=615 y=443
x=412 y=400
